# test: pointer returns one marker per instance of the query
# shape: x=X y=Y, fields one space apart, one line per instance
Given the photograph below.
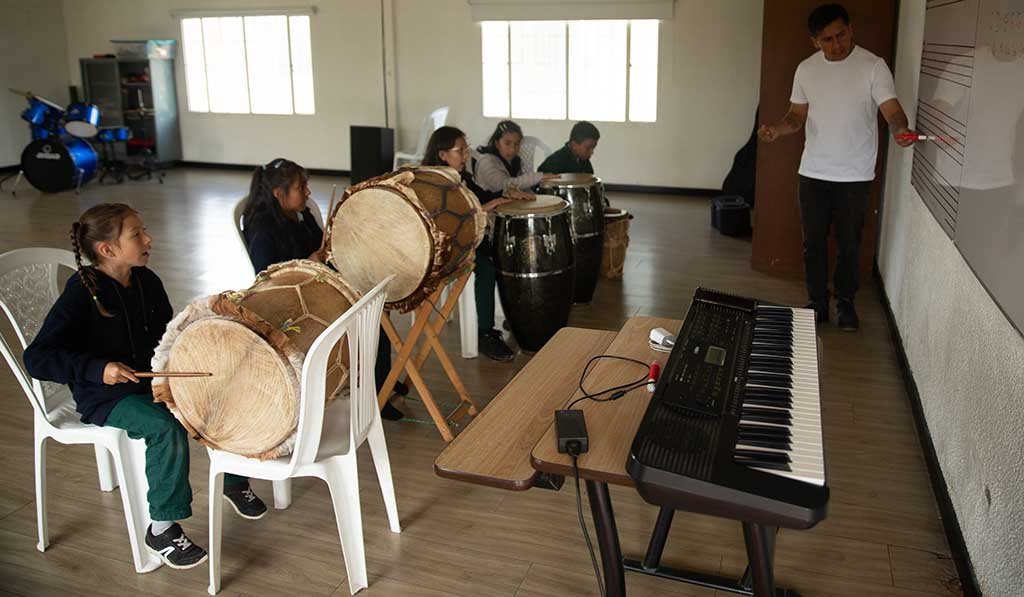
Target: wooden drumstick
x=173 y=374
x=330 y=210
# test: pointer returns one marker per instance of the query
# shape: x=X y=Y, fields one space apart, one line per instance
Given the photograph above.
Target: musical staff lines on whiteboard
x=948 y=62
x=940 y=3
x=939 y=194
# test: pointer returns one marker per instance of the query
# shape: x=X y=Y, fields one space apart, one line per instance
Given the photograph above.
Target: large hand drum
x=420 y=224
x=254 y=342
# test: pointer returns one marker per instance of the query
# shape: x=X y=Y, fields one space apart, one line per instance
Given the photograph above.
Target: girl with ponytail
x=104 y=328
x=276 y=223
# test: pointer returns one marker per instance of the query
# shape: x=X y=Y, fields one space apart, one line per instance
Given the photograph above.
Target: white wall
x=33 y=57
x=708 y=82
x=346 y=70
x=966 y=358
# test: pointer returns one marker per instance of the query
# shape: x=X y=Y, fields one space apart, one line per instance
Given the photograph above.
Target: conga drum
x=421 y=224
x=585 y=195
x=254 y=342
x=535 y=266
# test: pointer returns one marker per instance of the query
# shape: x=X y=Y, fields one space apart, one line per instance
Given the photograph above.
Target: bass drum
x=53 y=165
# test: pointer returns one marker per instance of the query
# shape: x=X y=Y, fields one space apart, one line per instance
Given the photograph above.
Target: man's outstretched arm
x=792 y=122
x=893 y=113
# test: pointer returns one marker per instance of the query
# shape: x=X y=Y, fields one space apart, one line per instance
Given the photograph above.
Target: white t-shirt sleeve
x=798 y=96
x=882 y=87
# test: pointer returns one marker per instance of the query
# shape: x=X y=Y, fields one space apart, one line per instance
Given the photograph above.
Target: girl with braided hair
x=278 y=226
x=101 y=330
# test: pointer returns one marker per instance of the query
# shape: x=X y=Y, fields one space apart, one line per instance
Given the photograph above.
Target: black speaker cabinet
x=373 y=151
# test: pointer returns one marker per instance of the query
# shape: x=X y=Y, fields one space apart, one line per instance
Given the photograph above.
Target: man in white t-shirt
x=836 y=94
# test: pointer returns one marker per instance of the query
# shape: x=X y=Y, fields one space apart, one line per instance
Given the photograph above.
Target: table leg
x=607 y=538
x=760 y=542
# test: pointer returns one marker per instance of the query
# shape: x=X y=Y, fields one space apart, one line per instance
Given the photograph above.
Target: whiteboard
x=971 y=96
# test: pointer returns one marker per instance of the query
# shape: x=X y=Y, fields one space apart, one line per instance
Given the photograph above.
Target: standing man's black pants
x=841 y=205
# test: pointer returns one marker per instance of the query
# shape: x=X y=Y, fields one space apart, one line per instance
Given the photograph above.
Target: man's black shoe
x=246 y=503
x=174 y=548
x=493 y=346
x=846 y=316
x=401 y=389
x=820 y=311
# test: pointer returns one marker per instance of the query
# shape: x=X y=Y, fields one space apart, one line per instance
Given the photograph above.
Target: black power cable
x=617 y=391
x=573 y=447
x=574 y=452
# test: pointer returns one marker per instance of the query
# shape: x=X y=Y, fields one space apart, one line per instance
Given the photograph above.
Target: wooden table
x=514 y=438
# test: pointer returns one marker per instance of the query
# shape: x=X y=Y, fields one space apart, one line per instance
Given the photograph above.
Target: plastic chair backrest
x=28 y=288
x=528 y=150
x=431 y=123
x=360 y=324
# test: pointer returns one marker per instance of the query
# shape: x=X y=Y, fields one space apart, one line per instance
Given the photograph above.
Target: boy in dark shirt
x=574 y=156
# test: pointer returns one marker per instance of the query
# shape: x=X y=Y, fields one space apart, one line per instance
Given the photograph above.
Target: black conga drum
x=535 y=266
x=585 y=195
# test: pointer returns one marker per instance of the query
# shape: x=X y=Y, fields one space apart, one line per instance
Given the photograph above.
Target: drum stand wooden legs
x=428 y=323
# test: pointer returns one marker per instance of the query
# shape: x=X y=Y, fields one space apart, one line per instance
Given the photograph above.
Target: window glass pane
x=225 y=64
x=643 y=71
x=597 y=70
x=538 y=69
x=302 y=65
x=494 y=37
x=195 y=65
x=266 y=53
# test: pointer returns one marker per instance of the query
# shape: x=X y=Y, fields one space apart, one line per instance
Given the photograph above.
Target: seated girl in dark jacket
x=278 y=226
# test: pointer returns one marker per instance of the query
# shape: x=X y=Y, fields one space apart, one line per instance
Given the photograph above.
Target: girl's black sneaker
x=174 y=548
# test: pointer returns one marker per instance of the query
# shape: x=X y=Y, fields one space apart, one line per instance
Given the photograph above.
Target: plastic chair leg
x=130 y=462
x=40 y=463
x=282 y=494
x=105 y=468
x=468 y=321
x=343 y=480
x=381 y=462
x=216 y=516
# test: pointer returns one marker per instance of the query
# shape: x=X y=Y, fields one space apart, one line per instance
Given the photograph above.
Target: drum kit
x=59 y=157
x=421 y=224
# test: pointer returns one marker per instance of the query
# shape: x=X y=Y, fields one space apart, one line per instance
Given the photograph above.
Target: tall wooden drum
x=535 y=266
x=585 y=195
x=254 y=342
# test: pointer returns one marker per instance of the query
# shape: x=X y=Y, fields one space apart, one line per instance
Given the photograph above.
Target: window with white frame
x=248 y=65
x=581 y=70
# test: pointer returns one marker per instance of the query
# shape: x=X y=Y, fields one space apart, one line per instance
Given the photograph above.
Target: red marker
x=916 y=137
x=652 y=376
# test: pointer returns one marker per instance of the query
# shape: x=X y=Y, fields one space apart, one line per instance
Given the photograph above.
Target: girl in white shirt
x=500 y=168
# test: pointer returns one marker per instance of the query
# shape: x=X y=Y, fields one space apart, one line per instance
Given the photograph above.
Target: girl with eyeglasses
x=448 y=147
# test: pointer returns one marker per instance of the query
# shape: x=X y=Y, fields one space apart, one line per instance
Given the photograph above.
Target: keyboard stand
x=758 y=580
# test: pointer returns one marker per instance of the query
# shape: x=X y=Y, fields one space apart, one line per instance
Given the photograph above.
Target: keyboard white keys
x=784 y=361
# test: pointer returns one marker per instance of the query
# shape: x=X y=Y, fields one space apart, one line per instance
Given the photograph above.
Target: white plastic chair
x=431 y=123
x=28 y=287
x=533 y=151
x=326 y=442
x=236 y=218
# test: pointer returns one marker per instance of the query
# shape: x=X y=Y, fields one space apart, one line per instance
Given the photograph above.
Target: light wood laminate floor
x=883 y=535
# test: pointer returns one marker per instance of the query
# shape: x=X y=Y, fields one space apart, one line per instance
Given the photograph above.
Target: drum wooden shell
x=421 y=224
x=254 y=342
x=455 y=210
x=585 y=195
x=534 y=259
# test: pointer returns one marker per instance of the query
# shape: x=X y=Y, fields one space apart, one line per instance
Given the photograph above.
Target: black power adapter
x=571 y=428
